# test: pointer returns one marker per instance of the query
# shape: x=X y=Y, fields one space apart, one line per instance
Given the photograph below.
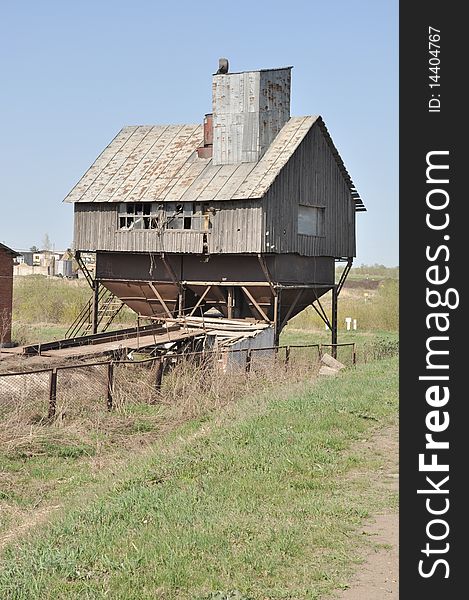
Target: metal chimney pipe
x=206 y=150
x=208 y=129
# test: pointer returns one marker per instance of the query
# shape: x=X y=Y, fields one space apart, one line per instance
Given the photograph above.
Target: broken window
x=311 y=220
x=170 y=215
x=188 y=215
x=140 y=215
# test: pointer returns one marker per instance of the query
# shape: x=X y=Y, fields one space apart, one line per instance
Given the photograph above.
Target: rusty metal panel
x=274 y=96
x=163 y=152
x=115 y=164
x=202 y=181
x=222 y=176
x=188 y=174
x=228 y=187
x=139 y=162
x=176 y=156
x=131 y=162
x=158 y=140
x=161 y=164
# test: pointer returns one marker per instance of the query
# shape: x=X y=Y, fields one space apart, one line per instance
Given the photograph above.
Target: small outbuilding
x=7 y=258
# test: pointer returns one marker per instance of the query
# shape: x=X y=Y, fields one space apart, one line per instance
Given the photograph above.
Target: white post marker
x=355 y=324
x=348 y=321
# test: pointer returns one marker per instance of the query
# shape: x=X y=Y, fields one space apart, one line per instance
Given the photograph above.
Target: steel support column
x=335 y=295
x=277 y=308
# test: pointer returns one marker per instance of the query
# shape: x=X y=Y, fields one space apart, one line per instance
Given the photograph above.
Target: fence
x=56 y=392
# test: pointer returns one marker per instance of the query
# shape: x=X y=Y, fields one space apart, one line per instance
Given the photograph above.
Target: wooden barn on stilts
x=247 y=213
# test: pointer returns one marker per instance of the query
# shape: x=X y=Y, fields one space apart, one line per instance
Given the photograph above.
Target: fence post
x=52 y=394
x=248 y=361
x=354 y=355
x=158 y=381
x=110 y=383
x=287 y=356
x=159 y=374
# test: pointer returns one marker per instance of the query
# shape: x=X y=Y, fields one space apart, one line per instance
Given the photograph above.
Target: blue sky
x=74 y=73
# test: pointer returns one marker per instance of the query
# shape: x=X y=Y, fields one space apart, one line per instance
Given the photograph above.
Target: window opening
x=150 y=215
x=311 y=220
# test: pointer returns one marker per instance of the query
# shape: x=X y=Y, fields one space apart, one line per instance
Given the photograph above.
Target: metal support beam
x=181 y=302
x=229 y=302
x=84 y=269
x=200 y=300
x=335 y=295
x=170 y=270
x=292 y=308
x=162 y=302
x=344 y=275
x=276 y=320
x=322 y=312
x=255 y=304
x=265 y=270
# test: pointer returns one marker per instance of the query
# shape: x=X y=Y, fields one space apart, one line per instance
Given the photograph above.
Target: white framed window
x=311 y=220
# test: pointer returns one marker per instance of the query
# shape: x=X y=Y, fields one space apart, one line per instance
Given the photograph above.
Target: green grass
x=258 y=502
x=369 y=345
x=45 y=307
x=29 y=333
x=378 y=311
x=40 y=299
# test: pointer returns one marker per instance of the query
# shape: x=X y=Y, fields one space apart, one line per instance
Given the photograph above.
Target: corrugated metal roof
x=160 y=163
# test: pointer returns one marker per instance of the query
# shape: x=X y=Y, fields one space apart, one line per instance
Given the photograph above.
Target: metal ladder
x=108 y=308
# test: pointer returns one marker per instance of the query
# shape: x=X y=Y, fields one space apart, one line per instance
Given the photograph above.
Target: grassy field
x=44 y=307
x=259 y=499
x=229 y=488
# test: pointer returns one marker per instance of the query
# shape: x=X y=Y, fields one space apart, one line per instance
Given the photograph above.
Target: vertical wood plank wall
x=236 y=227
x=310 y=177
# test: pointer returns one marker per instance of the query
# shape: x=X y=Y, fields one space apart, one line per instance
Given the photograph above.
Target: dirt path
x=377 y=577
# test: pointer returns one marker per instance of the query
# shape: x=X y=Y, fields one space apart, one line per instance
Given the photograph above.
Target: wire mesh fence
x=25 y=396
x=187 y=380
x=135 y=382
x=75 y=387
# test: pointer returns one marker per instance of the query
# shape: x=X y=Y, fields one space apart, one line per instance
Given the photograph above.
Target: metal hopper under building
x=247 y=213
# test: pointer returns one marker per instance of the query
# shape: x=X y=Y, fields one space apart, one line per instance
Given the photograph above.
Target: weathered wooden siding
x=235 y=228
x=313 y=178
x=249 y=109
